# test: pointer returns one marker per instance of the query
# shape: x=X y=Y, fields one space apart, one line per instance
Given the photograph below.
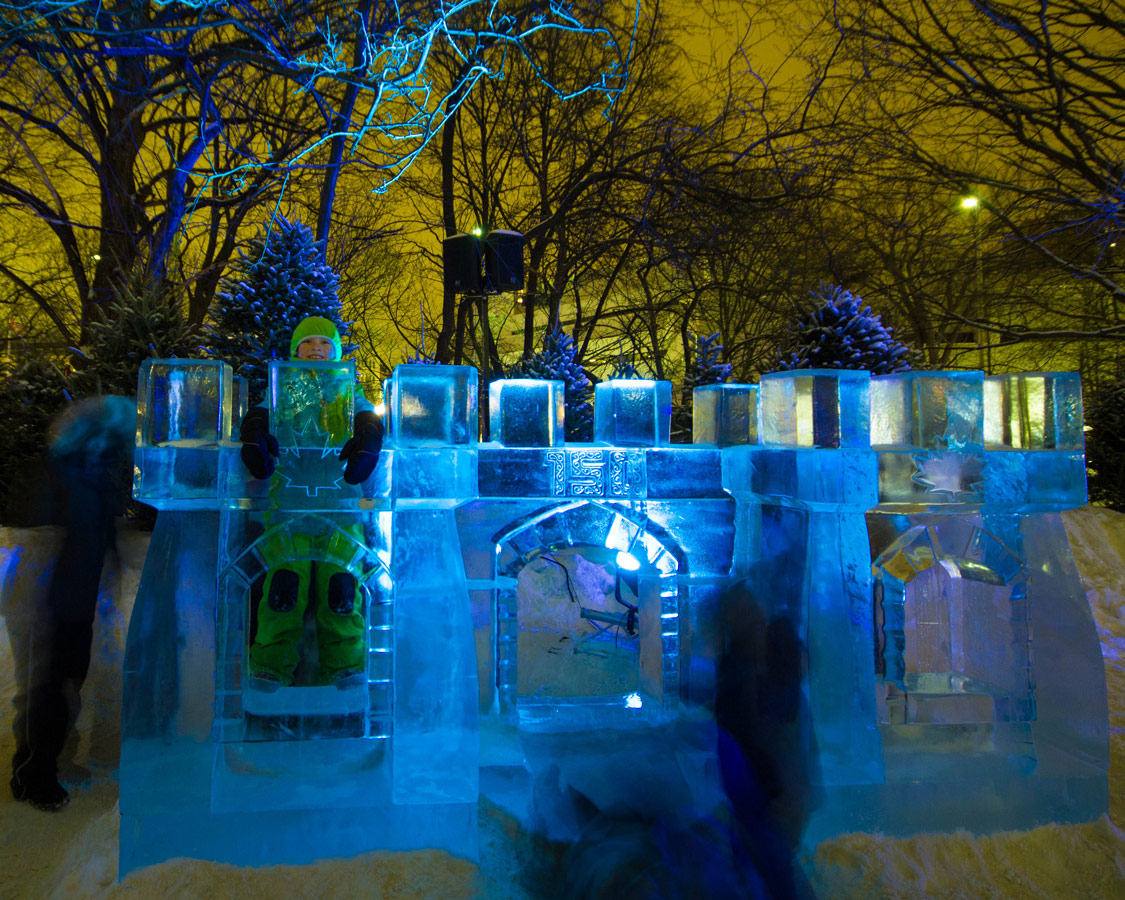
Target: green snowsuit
x=291 y=582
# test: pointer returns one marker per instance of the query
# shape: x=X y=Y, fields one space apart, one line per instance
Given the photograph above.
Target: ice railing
x=939 y=437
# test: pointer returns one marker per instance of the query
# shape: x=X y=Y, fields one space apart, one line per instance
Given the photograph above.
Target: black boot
x=45 y=793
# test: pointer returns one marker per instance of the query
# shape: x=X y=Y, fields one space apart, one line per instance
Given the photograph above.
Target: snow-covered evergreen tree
x=29 y=399
x=556 y=361
x=277 y=282
x=842 y=333
x=625 y=369
x=143 y=321
x=706 y=366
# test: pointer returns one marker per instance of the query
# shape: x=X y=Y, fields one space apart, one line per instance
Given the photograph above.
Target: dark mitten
x=361 y=452
x=259 y=447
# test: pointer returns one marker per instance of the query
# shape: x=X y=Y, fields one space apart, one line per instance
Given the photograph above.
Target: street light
x=972 y=203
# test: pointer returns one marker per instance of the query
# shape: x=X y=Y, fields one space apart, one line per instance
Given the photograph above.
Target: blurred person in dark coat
x=89 y=464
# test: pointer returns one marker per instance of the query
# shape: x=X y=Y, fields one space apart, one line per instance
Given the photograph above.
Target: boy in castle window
x=289 y=584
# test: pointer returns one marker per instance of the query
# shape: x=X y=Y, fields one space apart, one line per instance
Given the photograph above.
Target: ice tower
x=990 y=687
x=954 y=673
x=220 y=765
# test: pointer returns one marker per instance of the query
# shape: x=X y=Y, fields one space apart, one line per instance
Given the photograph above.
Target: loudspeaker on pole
x=462 y=264
x=503 y=261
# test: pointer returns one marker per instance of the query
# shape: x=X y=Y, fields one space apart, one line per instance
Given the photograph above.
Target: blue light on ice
x=628 y=562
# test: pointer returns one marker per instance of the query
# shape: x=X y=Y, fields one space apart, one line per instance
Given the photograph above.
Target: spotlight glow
x=627 y=561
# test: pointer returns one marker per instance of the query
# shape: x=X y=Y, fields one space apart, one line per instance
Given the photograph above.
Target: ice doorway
x=586 y=629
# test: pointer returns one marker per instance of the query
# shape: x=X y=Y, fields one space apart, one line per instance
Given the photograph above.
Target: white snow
x=73 y=854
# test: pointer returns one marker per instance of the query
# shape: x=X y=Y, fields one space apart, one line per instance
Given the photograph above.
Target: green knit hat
x=317 y=326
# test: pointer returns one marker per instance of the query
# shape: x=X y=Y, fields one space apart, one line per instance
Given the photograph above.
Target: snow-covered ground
x=73 y=853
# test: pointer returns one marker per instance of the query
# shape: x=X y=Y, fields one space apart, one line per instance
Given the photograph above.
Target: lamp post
x=972 y=203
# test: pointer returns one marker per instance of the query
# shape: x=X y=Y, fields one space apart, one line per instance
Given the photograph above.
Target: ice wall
x=904 y=529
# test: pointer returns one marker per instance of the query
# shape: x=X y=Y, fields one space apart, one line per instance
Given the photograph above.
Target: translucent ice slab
x=1035 y=480
x=725 y=414
x=312 y=404
x=436 y=742
x=579 y=470
x=183 y=413
x=633 y=412
x=815 y=408
x=927 y=411
x=926 y=478
x=1033 y=411
x=803 y=477
x=1033 y=432
x=433 y=406
x=526 y=412
x=432 y=477
x=313 y=417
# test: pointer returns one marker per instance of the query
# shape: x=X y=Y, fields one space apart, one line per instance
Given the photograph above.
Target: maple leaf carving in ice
x=957 y=475
x=310 y=436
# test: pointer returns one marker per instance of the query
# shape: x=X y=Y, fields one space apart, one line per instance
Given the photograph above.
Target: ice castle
x=906 y=527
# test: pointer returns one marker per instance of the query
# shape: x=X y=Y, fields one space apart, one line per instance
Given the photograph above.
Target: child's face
x=314 y=348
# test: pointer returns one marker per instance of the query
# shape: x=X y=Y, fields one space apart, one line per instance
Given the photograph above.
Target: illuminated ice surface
x=545 y=617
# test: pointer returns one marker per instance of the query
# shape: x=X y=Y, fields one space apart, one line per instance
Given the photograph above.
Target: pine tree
x=143 y=321
x=842 y=333
x=556 y=361
x=280 y=280
x=31 y=397
x=624 y=369
x=707 y=366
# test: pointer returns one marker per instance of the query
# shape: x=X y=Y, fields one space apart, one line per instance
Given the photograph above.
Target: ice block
x=927 y=411
x=526 y=412
x=1033 y=433
x=927 y=428
x=184 y=412
x=434 y=406
x=312 y=404
x=1033 y=411
x=633 y=412
x=825 y=408
x=725 y=414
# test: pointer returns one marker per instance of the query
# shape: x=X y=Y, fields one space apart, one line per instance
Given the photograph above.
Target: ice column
x=436 y=738
x=1034 y=467
x=727 y=415
x=815 y=477
x=184 y=413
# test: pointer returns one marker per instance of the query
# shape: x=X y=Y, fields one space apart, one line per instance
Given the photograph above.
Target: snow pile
x=73 y=854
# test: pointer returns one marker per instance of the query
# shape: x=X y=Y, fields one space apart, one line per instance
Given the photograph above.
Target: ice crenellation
x=538 y=610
